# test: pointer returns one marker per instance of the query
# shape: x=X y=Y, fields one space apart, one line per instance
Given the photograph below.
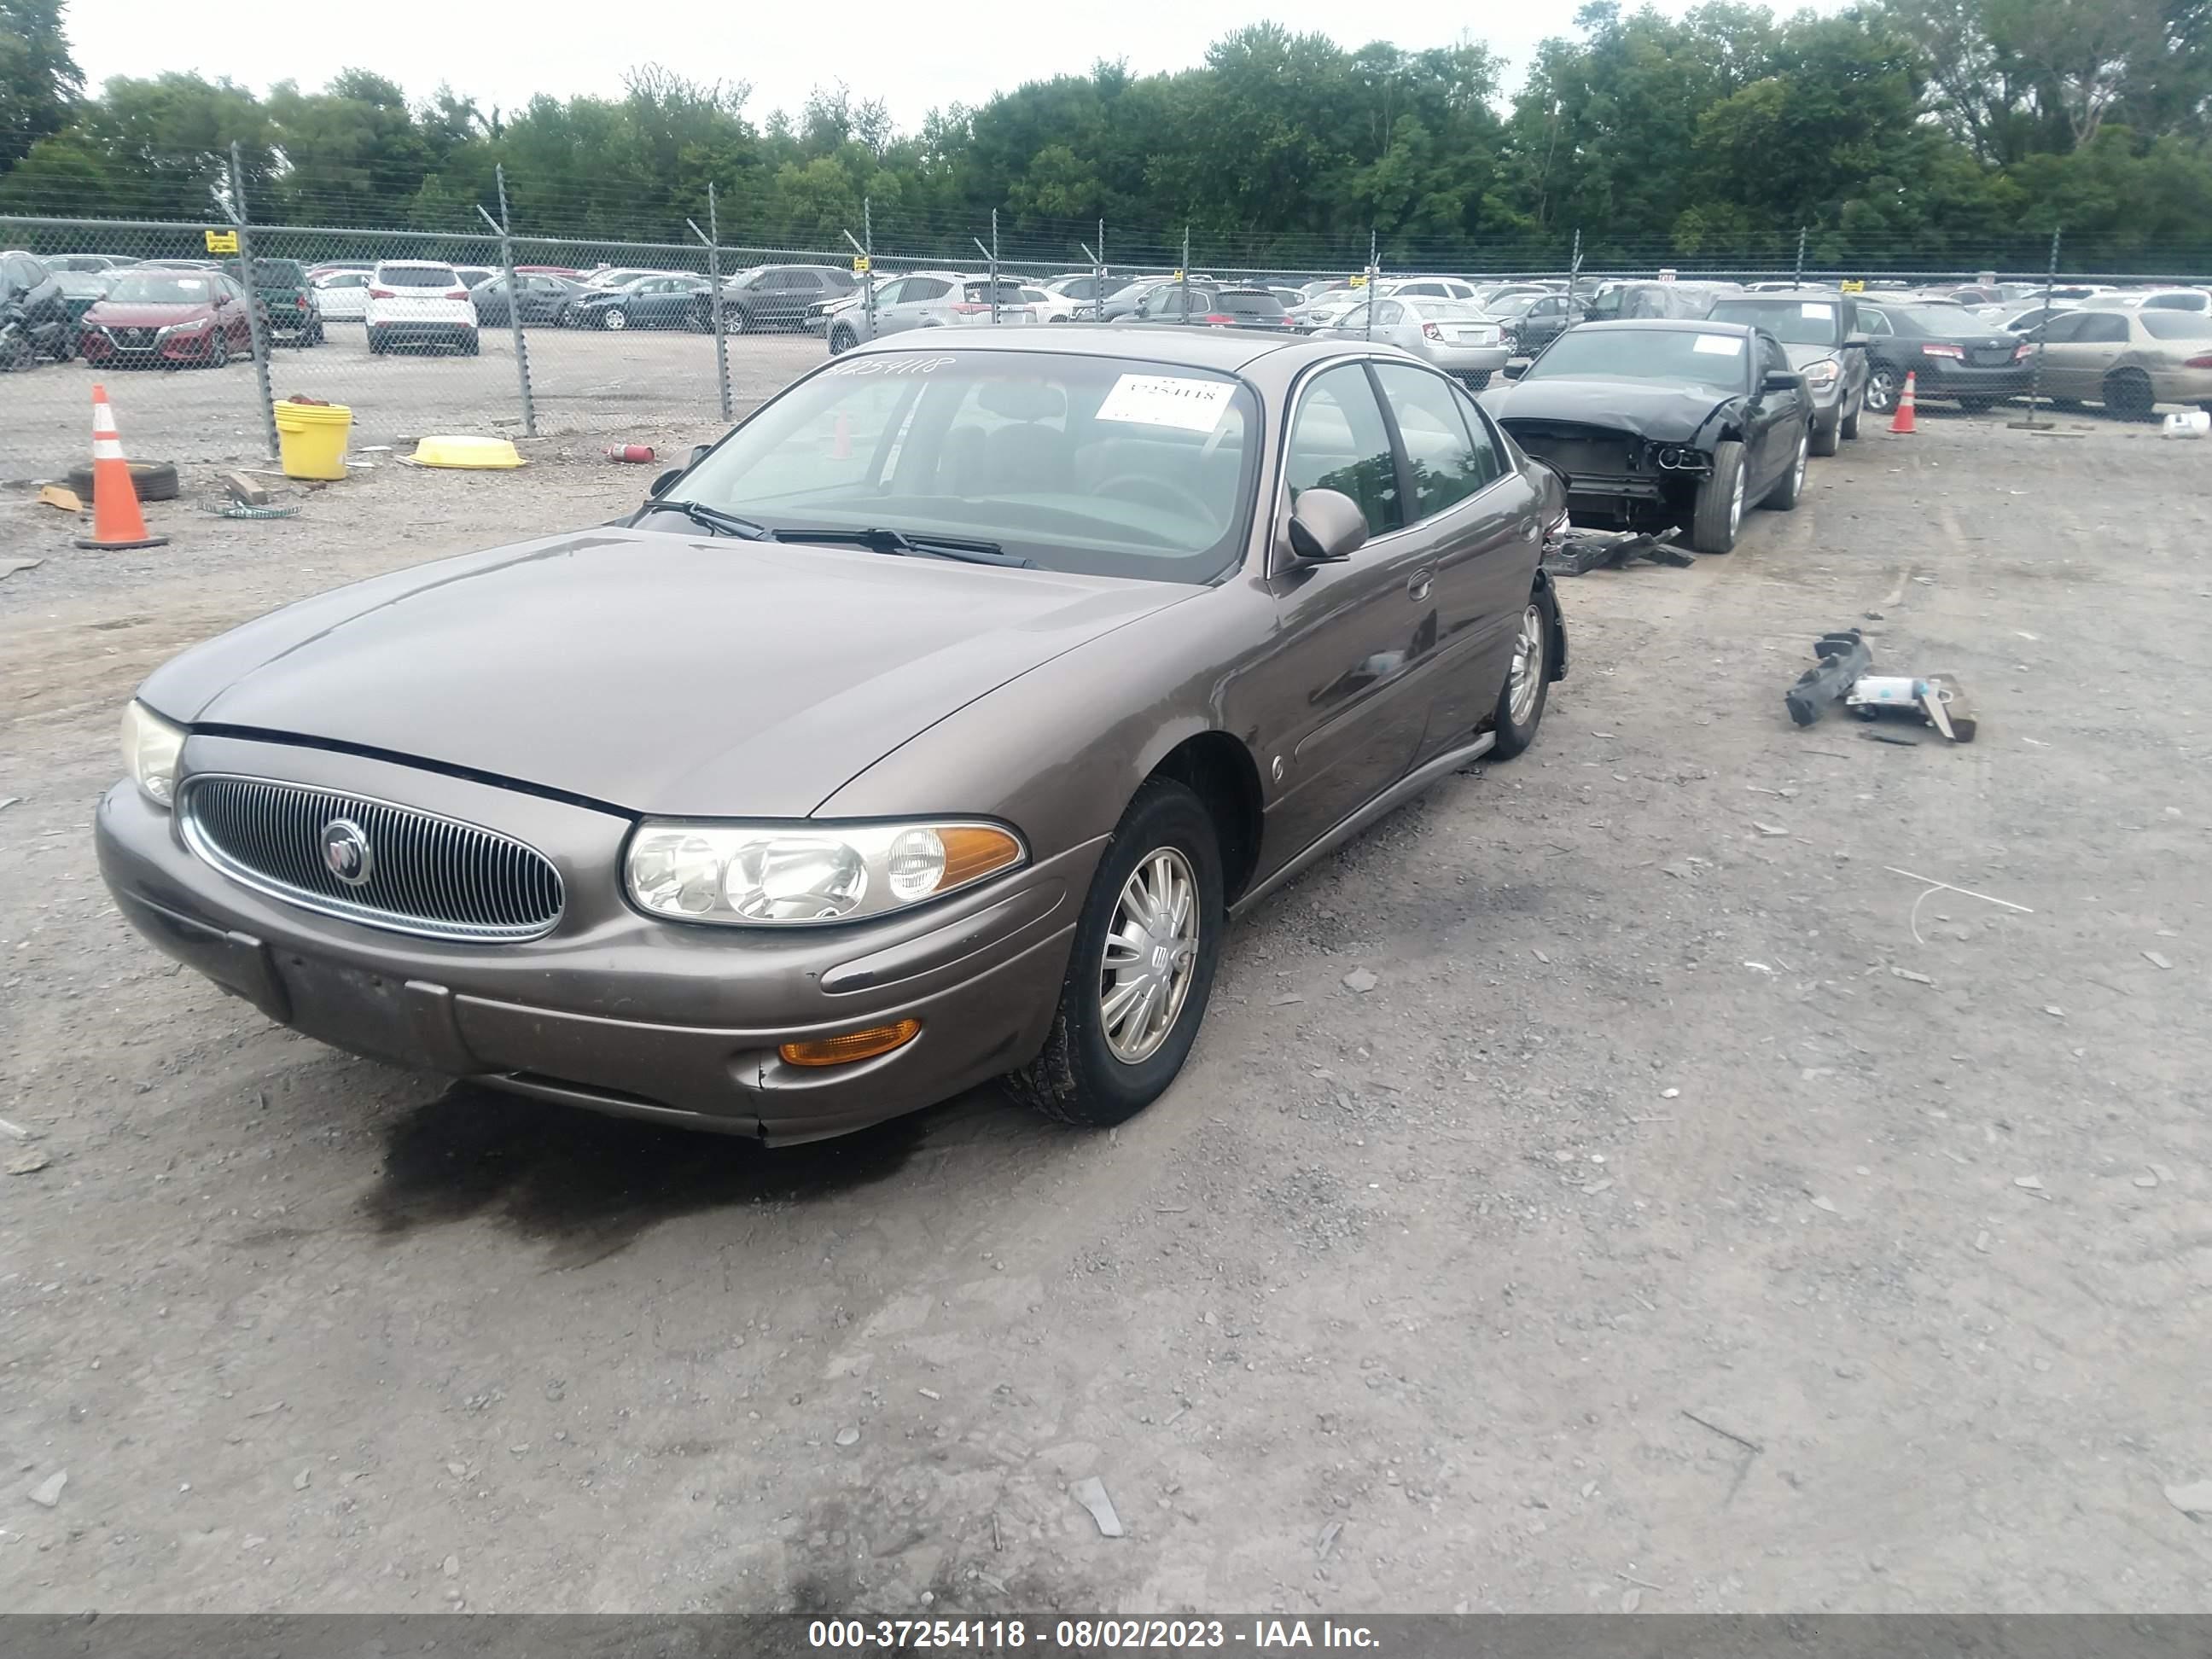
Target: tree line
x=1928 y=132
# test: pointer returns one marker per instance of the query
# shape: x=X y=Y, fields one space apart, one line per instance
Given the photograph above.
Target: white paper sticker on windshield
x=1167 y=400
x=1814 y=308
x=1719 y=345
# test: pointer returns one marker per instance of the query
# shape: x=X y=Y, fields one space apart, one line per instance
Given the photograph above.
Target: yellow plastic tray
x=460 y=450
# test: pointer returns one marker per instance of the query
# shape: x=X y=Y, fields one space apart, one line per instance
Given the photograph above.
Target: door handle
x=1417 y=589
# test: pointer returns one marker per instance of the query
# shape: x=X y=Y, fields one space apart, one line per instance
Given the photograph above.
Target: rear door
x=1479 y=520
x=2095 y=345
x=921 y=300
x=1353 y=637
x=1396 y=322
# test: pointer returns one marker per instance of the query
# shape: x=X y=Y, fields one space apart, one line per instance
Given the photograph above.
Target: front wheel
x=1828 y=436
x=1719 y=511
x=842 y=340
x=218 y=353
x=1884 y=387
x=1528 y=681
x=1141 y=969
x=614 y=317
x=1850 y=424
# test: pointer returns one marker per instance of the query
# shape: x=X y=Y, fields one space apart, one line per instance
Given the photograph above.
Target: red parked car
x=170 y=319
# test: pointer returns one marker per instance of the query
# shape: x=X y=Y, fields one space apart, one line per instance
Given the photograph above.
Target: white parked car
x=1048 y=307
x=342 y=296
x=930 y=299
x=416 y=302
x=1428 y=288
x=2151 y=299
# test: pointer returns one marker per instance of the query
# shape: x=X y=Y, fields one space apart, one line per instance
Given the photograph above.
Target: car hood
x=1669 y=411
x=650 y=672
x=115 y=315
x=1801 y=356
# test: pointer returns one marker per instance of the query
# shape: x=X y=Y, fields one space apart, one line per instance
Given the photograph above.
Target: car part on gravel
x=1937 y=699
x=1574 y=552
x=1844 y=660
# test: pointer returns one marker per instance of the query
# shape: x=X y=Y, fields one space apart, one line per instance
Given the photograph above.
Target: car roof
x=416 y=265
x=1671 y=325
x=1225 y=350
x=1785 y=295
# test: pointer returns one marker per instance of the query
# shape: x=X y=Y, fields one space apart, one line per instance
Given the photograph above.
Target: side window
x=2064 y=325
x=1355 y=318
x=1873 y=322
x=1449 y=466
x=1774 y=359
x=33 y=272
x=1338 y=441
x=1388 y=313
x=2103 y=327
x=890 y=293
x=925 y=287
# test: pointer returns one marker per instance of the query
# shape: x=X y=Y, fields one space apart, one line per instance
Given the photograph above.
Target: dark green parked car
x=288 y=299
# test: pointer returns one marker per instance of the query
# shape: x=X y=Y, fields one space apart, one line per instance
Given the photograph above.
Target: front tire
x=1528 y=680
x=1849 y=425
x=1719 y=511
x=614 y=317
x=842 y=340
x=1141 y=969
x=1884 y=387
x=1828 y=436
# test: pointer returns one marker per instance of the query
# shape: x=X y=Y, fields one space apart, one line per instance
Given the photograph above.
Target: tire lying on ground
x=154 y=481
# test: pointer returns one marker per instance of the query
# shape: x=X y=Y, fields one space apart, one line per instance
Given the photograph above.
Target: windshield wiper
x=879 y=540
x=713 y=518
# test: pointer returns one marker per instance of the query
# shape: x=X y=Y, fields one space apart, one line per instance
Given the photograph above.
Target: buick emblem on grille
x=347 y=852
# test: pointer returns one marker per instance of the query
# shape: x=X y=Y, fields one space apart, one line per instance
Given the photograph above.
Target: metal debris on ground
x=1843 y=659
x=1091 y=1492
x=2194 y=1498
x=1937 y=699
x=13 y=1131
x=1569 y=551
x=848 y=1436
x=1326 y=1541
x=240 y=510
x=1360 y=982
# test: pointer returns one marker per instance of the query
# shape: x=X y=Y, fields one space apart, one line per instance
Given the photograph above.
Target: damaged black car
x=1662 y=424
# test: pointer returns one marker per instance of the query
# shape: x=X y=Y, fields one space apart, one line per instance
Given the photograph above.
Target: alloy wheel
x=1151 y=950
x=614 y=317
x=1882 y=392
x=1527 y=675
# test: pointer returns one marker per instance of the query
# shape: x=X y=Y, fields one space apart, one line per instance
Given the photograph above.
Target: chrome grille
x=432 y=876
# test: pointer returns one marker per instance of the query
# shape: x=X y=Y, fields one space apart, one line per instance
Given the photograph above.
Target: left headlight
x=151 y=747
x=751 y=874
x=1822 y=373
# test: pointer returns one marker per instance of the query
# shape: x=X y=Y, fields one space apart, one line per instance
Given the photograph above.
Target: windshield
x=2176 y=325
x=1793 y=322
x=1678 y=355
x=1105 y=466
x=1512 y=305
x=160 y=289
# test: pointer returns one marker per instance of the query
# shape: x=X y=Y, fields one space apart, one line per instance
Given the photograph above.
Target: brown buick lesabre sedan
x=926 y=729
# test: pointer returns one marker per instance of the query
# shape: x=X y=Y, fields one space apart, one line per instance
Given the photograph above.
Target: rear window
x=2176 y=325
x=979 y=294
x=416 y=277
x=2178 y=302
x=1453 y=311
x=1234 y=304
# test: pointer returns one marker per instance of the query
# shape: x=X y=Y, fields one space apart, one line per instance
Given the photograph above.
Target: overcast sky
x=929 y=57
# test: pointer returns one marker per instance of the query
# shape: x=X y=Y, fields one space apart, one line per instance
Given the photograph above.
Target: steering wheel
x=1163 y=490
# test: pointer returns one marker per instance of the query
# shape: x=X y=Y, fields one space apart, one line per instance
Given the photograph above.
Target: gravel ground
x=1669 y=1227
x=583 y=381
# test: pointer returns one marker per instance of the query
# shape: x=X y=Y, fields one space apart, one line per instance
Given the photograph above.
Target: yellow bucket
x=312 y=439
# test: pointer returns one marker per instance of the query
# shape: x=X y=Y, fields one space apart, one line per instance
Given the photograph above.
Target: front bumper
x=97 y=346
x=612 y=1011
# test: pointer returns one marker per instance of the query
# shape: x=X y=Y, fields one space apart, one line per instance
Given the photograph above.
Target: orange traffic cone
x=1902 y=421
x=116 y=524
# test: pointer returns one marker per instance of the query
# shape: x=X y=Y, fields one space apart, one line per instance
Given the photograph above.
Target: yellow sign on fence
x=860 y=264
x=222 y=241
x=1854 y=286
x=1358 y=282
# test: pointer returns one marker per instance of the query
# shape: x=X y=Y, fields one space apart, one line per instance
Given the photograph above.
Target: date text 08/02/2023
x=1088 y=1635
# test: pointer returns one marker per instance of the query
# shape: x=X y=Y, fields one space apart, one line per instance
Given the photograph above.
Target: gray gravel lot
x=1668 y=1226
x=583 y=381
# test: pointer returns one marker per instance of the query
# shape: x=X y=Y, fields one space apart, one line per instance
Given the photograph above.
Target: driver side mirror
x=1856 y=342
x=1514 y=371
x=661 y=484
x=1327 y=526
x=1781 y=379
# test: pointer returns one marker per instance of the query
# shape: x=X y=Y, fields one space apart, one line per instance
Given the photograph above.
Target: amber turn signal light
x=852 y=1045
x=973 y=851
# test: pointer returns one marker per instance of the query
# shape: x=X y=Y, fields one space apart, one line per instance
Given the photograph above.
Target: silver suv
x=931 y=299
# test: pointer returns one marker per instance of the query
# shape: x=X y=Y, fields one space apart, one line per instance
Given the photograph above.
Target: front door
x=1355 y=637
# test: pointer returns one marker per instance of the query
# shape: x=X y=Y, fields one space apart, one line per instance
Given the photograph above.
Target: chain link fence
x=491 y=331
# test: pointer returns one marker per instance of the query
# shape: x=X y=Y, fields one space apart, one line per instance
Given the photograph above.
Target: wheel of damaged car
x=1718 y=514
x=2128 y=394
x=1141 y=969
x=1850 y=424
x=1528 y=680
x=1783 y=496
